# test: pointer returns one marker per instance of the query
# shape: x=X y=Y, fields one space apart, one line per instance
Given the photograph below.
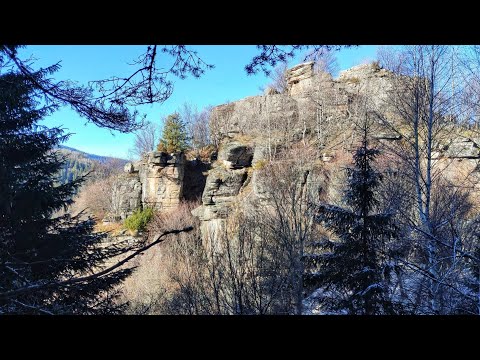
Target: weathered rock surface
x=126 y=196
x=236 y=155
x=221 y=188
x=252 y=130
x=225 y=181
x=300 y=79
x=254 y=115
x=310 y=94
x=162 y=180
x=463 y=148
x=158 y=181
x=368 y=79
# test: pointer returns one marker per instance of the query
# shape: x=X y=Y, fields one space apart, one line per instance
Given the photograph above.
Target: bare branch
x=39 y=286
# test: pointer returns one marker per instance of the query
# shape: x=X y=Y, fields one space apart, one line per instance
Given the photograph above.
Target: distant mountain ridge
x=79 y=163
x=99 y=158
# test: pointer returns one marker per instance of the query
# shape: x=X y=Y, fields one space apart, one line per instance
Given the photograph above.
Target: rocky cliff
x=158 y=181
x=252 y=130
x=316 y=111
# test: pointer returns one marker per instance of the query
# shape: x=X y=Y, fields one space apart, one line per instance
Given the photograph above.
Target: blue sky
x=226 y=82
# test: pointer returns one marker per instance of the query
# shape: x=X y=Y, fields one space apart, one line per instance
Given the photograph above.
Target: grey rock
x=128 y=168
x=236 y=155
x=300 y=80
x=126 y=196
x=254 y=116
x=156 y=181
x=463 y=148
x=222 y=185
x=162 y=180
x=299 y=72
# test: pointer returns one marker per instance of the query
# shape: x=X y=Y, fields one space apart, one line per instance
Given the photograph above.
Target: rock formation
x=157 y=180
x=224 y=183
x=251 y=129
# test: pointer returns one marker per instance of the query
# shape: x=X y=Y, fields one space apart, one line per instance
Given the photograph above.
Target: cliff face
x=158 y=181
x=162 y=178
x=253 y=129
x=227 y=179
x=316 y=110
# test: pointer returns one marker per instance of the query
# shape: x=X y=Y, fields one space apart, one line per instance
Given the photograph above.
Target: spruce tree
x=352 y=269
x=174 y=136
x=40 y=250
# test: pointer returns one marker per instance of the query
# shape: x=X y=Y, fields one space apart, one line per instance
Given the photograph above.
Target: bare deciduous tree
x=146 y=139
x=279 y=79
x=197 y=122
x=424 y=104
x=325 y=61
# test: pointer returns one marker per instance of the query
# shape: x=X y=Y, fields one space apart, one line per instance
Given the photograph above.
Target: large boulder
x=300 y=80
x=156 y=181
x=132 y=167
x=463 y=148
x=368 y=79
x=223 y=185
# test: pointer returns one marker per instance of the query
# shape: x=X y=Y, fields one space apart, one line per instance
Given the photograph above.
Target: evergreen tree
x=174 y=136
x=37 y=248
x=352 y=270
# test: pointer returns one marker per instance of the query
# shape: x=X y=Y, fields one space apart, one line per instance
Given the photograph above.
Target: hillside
x=282 y=215
x=79 y=163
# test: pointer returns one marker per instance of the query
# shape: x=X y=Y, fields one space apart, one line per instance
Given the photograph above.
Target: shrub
x=139 y=219
x=205 y=152
x=160 y=270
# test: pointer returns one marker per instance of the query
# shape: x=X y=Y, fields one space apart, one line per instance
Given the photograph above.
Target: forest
x=351 y=192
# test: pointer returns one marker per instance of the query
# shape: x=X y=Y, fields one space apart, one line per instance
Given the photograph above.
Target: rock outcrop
x=162 y=180
x=253 y=129
x=126 y=195
x=309 y=96
x=368 y=79
x=158 y=181
x=223 y=185
x=300 y=79
x=236 y=155
x=463 y=148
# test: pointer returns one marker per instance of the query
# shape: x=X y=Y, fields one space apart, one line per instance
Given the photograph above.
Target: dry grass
x=96 y=197
x=243 y=139
x=150 y=286
x=353 y=80
x=204 y=154
x=113 y=228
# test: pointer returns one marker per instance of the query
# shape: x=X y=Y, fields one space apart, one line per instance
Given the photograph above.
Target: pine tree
x=39 y=249
x=174 y=138
x=352 y=270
